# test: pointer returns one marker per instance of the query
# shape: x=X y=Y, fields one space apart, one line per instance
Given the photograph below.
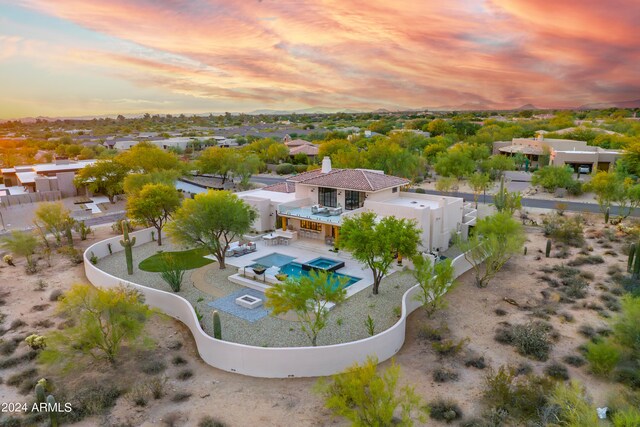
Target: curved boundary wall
x=265 y=362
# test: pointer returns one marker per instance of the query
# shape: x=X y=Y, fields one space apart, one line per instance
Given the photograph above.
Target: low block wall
x=266 y=362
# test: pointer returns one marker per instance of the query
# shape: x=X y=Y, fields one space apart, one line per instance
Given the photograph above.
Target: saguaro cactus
x=53 y=411
x=547 y=251
x=40 y=395
x=500 y=198
x=632 y=252
x=217 y=326
x=127 y=243
x=606 y=216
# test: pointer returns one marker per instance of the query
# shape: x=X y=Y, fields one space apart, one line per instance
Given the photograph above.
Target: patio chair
x=314 y=209
x=252 y=247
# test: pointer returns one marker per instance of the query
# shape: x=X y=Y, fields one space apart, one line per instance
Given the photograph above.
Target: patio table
x=270 y=239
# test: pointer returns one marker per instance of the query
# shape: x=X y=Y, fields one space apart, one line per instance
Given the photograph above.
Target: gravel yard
x=346 y=321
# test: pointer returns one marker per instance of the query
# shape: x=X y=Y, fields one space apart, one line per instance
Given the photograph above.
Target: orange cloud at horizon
x=355 y=53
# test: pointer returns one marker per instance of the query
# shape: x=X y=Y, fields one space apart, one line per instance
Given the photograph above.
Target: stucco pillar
x=336 y=232
x=284 y=223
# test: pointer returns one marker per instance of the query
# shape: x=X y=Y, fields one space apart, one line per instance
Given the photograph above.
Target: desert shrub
x=504 y=335
x=574 y=287
x=532 y=340
x=428 y=333
x=9 y=362
x=444 y=375
x=175 y=345
x=449 y=347
x=18 y=323
x=43 y=323
x=586 y=259
x=574 y=409
x=476 y=362
x=563 y=271
x=180 y=397
x=630 y=284
x=40 y=307
x=185 y=374
x=209 y=421
x=588 y=275
x=566 y=316
x=16 y=379
x=628 y=372
x=7 y=348
x=587 y=331
x=567 y=230
x=55 y=295
x=574 y=360
x=557 y=370
x=445 y=410
x=521 y=397
x=152 y=367
x=179 y=361
x=500 y=312
x=173 y=419
x=285 y=169
x=88 y=401
x=627 y=417
x=602 y=357
x=156 y=386
x=138 y=395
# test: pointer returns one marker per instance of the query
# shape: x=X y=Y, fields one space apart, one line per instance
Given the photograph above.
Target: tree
x=104 y=176
x=146 y=157
x=277 y=152
x=455 y=163
x=439 y=127
x=218 y=161
x=22 y=243
x=246 y=167
x=392 y=159
x=154 y=205
x=103 y=319
x=52 y=217
x=479 y=183
x=212 y=220
x=497 y=164
x=134 y=182
x=369 y=399
x=376 y=242
x=447 y=184
x=308 y=297
x=552 y=177
x=435 y=280
x=497 y=238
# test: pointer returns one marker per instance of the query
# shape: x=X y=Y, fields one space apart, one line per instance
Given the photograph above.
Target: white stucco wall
x=262 y=361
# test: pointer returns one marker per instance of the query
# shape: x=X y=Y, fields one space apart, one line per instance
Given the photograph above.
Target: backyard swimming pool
x=274 y=260
x=295 y=270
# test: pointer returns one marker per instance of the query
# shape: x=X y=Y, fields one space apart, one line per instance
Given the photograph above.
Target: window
x=394 y=190
x=353 y=199
x=328 y=197
x=310 y=225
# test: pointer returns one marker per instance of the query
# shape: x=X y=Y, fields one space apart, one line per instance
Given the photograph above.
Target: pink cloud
x=360 y=53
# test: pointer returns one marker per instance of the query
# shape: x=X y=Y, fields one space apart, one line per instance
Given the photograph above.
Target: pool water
x=274 y=259
x=295 y=271
x=324 y=264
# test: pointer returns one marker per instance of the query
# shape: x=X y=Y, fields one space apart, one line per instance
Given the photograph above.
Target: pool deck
x=305 y=250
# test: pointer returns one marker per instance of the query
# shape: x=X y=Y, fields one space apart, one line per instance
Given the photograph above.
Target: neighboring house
x=44 y=177
x=314 y=204
x=560 y=151
x=415 y=131
x=297 y=146
x=180 y=143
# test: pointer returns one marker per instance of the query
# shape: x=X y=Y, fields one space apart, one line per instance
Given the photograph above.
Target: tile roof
x=350 y=179
x=281 y=187
x=309 y=150
x=297 y=143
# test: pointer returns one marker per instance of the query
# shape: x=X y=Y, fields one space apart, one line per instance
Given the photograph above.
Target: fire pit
x=248 y=301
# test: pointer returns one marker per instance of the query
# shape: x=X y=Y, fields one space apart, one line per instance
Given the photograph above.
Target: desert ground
x=194 y=390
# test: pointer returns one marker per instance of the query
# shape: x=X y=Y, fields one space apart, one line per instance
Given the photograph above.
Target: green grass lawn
x=193 y=258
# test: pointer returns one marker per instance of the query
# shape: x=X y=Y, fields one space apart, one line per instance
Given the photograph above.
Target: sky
x=95 y=57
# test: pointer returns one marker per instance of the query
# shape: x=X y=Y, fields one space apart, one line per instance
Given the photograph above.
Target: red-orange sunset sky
x=86 y=57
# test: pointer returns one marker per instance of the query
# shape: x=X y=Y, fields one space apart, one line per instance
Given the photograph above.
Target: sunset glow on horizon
x=83 y=58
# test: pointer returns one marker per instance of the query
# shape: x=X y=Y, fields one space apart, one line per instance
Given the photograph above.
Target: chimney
x=326 y=164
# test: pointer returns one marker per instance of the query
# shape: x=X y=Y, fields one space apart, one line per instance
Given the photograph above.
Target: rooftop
x=350 y=179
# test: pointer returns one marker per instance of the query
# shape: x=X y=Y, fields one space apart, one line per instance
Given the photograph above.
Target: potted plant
x=259 y=269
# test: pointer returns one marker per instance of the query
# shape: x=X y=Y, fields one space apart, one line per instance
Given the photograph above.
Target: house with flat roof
x=560 y=151
x=44 y=177
x=313 y=205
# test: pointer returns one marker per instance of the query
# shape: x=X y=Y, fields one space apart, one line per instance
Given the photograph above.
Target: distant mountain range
x=469 y=106
x=616 y=104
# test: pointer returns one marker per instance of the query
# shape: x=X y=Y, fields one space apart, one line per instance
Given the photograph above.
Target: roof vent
x=326 y=164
